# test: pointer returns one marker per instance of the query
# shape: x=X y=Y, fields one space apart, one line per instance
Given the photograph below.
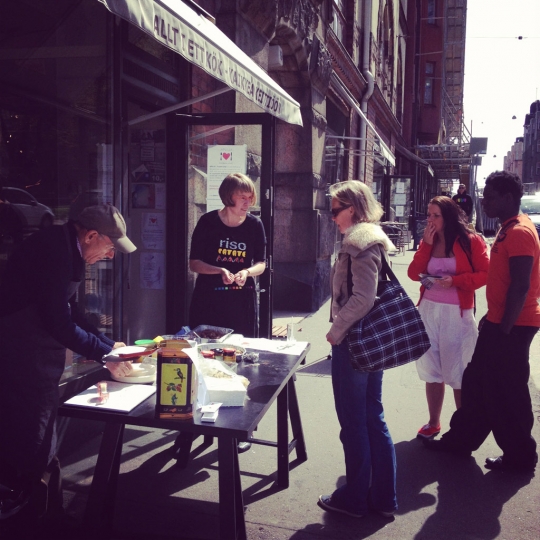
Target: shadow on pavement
x=469 y=502
x=320 y=367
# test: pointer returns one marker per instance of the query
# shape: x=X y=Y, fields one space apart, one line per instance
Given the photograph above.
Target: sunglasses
x=336 y=211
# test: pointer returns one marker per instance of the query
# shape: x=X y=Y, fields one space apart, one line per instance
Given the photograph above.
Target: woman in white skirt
x=451 y=263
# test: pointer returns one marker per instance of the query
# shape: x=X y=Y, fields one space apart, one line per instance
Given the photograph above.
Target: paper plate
x=127 y=353
x=142 y=373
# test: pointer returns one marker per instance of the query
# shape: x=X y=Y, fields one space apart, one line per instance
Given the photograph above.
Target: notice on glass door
x=152 y=270
x=223 y=160
x=153 y=230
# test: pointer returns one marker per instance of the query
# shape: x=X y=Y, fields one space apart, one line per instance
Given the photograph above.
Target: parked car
x=36 y=215
x=530 y=205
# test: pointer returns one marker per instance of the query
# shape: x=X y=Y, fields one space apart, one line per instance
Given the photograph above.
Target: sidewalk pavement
x=440 y=496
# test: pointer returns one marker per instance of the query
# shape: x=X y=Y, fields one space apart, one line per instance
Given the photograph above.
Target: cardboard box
x=229 y=392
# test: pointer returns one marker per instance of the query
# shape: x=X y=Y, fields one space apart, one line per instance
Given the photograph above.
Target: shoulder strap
x=349 y=276
x=386 y=271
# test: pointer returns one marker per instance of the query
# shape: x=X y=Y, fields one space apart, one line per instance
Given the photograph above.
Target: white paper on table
x=122 y=397
x=263 y=344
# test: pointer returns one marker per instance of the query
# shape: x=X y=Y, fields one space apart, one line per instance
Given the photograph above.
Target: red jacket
x=467 y=279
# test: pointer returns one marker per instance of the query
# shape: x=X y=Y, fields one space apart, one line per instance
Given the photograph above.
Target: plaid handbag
x=392 y=333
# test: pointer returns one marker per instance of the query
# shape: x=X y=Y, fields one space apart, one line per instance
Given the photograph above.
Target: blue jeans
x=370 y=459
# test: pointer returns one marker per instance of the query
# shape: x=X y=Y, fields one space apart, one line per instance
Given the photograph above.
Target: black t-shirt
x=464 y=201
x=233 y=248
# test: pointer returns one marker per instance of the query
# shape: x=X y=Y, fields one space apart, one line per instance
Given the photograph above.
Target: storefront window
x=55 y=127
x=334 y=156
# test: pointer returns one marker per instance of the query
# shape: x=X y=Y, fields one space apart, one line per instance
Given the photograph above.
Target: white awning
x=178 y=27
x=413 y=157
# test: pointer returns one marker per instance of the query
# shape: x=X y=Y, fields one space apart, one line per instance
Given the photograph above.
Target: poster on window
x=143 y=196
x=223 y=160
x=147 y=155
x=152 y=269
x=400 y=198
x=153 y=230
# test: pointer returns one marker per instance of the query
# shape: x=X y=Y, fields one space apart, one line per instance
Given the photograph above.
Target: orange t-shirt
x=517 y=237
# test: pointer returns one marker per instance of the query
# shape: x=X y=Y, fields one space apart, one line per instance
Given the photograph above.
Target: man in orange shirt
x=495 y=392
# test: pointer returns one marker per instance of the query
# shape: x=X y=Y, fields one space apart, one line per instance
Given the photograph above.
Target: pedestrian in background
x=459 y=258
x=370 y=461
x=495 y=391
x=464 y=201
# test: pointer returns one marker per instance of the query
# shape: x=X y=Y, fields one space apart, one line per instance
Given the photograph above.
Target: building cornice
x=344 y=66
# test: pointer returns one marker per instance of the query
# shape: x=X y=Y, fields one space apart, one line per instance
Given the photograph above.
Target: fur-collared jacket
x=362 y=244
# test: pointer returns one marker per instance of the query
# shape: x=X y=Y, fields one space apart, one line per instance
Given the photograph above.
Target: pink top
x=444 y=266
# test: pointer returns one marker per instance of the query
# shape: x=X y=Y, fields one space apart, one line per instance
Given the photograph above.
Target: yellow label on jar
x=174 y=384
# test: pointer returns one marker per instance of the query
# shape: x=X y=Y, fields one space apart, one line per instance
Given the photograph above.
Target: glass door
x=217 y=145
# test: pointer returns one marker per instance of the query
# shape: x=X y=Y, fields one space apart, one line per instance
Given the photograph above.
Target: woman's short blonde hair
x=356 y=194
x=236 y=182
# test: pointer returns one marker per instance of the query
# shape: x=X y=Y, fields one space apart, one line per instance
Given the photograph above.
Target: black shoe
x=12 y=503
x=440 y=445
x=243 y=446
x=500 y=464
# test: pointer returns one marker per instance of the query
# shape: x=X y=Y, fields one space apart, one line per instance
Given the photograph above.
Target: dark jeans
x=495 y=395
x=370 y=459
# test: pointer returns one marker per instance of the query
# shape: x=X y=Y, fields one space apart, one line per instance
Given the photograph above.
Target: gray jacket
x=362 y=243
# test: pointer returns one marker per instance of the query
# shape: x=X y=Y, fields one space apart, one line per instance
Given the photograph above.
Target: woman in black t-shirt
x=228 y=248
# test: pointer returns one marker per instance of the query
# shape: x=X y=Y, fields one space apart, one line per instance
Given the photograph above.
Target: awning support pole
x=172 y=108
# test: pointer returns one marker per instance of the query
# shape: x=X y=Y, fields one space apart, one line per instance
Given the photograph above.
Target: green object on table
x=145 y=342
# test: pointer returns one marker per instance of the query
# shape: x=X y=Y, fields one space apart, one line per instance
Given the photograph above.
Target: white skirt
x=453 y=337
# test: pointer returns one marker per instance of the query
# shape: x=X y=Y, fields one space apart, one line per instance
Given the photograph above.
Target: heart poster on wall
x=223 y=160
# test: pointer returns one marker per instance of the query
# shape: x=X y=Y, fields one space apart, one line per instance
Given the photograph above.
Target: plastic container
x=145 y=343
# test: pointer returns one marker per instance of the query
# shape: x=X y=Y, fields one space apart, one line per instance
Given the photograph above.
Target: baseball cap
x=461 y=186
x=108 y=221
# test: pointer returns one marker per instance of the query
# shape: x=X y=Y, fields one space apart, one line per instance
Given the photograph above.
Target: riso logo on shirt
x=231 y=251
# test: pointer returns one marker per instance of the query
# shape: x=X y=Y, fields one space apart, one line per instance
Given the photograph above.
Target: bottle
x=176 y=381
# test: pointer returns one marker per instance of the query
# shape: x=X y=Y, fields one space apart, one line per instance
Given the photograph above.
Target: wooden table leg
x=283 y=438
x=296 y=422
x=182 y=444
x=232 y=524
x=99 y=511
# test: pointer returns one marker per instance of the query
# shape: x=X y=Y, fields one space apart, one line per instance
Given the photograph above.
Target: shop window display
x=55 y=131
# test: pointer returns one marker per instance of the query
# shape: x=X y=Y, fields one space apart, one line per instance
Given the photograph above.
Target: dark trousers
x=495 y=395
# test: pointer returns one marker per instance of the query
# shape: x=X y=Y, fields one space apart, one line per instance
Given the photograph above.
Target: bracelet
x=248 y=272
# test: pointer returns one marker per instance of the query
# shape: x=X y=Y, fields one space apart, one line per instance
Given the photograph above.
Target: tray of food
x=211 y=334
